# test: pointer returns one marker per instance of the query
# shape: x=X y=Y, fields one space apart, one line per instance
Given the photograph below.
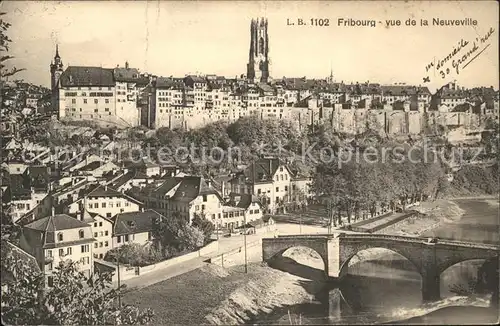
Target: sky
x=178 y=38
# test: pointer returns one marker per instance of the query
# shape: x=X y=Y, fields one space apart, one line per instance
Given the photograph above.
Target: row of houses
x=124 y=97
x=90 y=205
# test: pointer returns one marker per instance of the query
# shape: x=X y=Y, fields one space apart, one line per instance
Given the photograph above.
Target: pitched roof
x=87 y=76
x=162 y=82
x=55 y=223
x=190 y=188
x=105 y=191
x=403 y=90
x=135 y=222
x=245 y=200
x=262 y=170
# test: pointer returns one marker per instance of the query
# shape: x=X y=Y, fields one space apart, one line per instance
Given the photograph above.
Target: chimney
x=223 y=188
x=105 y=187
x=53 y=211
x=209 y=183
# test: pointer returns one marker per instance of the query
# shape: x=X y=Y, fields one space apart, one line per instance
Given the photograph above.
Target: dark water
x=388 y=289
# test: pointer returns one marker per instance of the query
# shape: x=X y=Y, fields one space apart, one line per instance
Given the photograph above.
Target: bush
x=134 y=254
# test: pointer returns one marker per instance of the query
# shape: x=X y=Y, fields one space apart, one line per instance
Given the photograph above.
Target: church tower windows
x=258 y=62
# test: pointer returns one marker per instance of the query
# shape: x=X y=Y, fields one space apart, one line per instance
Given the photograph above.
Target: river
x=388 y=289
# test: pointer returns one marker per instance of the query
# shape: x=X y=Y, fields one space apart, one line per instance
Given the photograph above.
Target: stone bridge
x=429 y=259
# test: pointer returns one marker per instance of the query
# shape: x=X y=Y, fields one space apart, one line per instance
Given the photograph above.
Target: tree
x=201 y=223
x=74 y=299
x=174 y=235
x=134 y=254
x=5 y=41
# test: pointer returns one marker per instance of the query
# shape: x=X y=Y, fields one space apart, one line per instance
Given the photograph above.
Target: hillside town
x=69 y=192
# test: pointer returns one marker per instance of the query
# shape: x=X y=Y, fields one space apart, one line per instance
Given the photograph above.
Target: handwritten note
x=462 y=55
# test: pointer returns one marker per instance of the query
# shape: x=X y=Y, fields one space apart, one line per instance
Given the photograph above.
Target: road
x=225 y=245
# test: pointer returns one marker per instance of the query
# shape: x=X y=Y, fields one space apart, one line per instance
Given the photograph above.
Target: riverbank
x=227 y=295
x=265 y=295
x=431 y=215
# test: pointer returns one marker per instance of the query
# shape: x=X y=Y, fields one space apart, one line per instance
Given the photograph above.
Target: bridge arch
x=275 y=248
x=450 y=261
x=344 y=266
x=480 y=271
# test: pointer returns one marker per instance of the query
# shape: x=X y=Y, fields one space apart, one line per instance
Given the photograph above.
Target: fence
x=219 y=259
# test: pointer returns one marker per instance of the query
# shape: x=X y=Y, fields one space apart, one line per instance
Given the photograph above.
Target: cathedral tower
x=258 y=62
x=56 y=70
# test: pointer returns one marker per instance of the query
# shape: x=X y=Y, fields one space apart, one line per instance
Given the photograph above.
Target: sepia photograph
x=249 y=162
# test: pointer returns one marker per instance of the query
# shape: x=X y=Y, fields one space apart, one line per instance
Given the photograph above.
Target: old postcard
x=249 y=162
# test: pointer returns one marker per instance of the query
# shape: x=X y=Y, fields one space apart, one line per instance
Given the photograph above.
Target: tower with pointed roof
x=258 y=62
x=56 y=70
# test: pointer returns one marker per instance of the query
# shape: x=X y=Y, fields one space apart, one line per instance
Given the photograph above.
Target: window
x=213 y=216
x=100 y=256
x=100 y=244
x=106 y=101
x=277 y=189
x=281 y=169
x=61 y=252
x=85 y=248
x=96 y=101
x=258 y=191
x=119 y=239
x=106 y=243
x=84 y=101
x=95 y=234
x=281 y=177
x=126 y=237
x=49 y=267
x=50 y=281
x=204 y=197
x=69 y=251
x=59 y=237
x=95 y=245
x=105 y=232
x=127 y=204
x=286 y=188
x=108 y=215
x=118 y=204
x=73 y=101
x=81 y=234
x=100 y=223
x=103 y=205
x=101 y=234
x=49 y=253
x=202 y=207
x=111 y=204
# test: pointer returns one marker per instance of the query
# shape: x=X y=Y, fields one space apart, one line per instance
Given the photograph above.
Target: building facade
x=57 y=238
